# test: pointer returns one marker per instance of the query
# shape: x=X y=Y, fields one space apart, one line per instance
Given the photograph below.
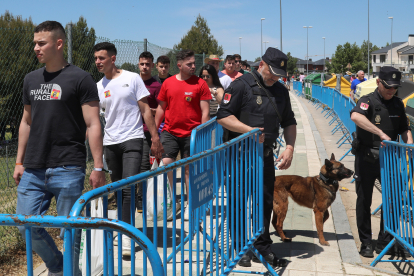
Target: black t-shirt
x=239 y=96
x=394 y=106
x=57 y=132
x=160 y=80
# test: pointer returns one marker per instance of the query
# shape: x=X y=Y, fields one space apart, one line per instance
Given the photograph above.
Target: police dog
x=317 y=192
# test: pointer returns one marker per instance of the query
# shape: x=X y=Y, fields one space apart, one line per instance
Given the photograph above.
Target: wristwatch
x=102 y=170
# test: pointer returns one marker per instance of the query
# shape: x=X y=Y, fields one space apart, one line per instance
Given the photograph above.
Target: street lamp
x=261 y=36
x=307 y=48
x=265 y=44
x=324 y=58
x=368 y=39
x=240 y=38
x=281 y=49
x=392 y=20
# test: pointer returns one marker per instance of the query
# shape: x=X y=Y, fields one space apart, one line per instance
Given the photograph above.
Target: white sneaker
x=55 y=274
x=126 y=246
x=186 y=213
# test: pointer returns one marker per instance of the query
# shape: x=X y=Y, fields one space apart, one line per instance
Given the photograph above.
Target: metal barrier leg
x=342 y=138
x=276 y=159
x=333 y=120
x=340 y=127
x=343 y=156
x=336 y=127
x=379 y=257
x=343 y=142
x=376 y=210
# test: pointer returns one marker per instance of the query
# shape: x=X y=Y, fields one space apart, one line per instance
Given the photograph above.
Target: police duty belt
x=268 y=95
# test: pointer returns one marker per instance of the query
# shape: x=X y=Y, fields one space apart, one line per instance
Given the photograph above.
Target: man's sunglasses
x=387 y=86
x=205 y=76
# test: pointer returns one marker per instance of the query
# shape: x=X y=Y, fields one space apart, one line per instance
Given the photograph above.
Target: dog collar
x=327 y=180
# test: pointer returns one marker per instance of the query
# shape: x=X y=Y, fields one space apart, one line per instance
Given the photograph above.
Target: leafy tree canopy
x=200 y=40
x=291 y=64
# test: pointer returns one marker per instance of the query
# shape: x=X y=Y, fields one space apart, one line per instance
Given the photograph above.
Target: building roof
x=409 y=51
x=405 y=48
x=385 y=49
x=303 y=62
x=321 y=62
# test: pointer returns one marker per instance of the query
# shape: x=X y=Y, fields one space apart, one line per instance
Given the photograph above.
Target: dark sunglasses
x=386 y=86
x=205 y=76
x=237 y=61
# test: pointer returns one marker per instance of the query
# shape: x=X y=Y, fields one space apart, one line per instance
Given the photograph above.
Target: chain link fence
x=16 y=60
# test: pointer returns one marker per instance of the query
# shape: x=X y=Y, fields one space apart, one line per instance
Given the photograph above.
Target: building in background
x=402 y=56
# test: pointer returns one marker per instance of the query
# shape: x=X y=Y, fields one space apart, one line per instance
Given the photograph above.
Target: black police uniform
x=250 y=105
x=389 y=116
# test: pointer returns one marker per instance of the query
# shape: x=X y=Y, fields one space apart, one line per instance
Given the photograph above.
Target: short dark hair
x=108 y=46
x=183 y=54
x=237 y=56
x=51 y=26
x=146 y=54
x=229 y=57
x=163 y=59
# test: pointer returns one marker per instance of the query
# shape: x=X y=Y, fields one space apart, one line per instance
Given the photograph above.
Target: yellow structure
x=345 y=85
x=364 y=88
x=405 y=100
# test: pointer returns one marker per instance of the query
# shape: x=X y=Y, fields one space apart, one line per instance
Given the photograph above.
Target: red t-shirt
x=183 y=112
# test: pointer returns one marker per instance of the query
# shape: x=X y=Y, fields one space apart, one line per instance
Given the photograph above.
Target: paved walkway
x=306 y=255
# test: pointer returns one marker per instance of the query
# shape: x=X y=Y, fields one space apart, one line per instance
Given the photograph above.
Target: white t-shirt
x=225 y=81
x=119 y=97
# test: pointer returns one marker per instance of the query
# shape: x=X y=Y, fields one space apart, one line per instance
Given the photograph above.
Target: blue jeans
x=34 y=195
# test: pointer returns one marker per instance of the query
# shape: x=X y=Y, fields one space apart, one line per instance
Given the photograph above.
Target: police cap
x=277 y=61
x=389 y=76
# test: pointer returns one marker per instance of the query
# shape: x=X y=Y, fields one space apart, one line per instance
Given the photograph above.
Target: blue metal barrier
x=297 y=86
x=214 y=229
x=396 y=161
x=206 y=136
x=70 y=223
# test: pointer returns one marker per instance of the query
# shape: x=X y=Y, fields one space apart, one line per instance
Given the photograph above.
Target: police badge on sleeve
x=364 y=106
x=226 y=98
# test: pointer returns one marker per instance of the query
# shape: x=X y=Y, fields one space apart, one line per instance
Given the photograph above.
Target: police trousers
x=264 y=241
x=365 y=175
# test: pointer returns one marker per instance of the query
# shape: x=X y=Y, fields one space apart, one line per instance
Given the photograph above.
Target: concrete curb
x=346 y=242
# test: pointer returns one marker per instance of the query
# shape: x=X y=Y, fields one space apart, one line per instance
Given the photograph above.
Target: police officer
x=259 y=100
x=379 y=116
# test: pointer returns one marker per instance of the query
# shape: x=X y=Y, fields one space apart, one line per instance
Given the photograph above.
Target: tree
x=83 y=40
x=258 y=59
x=130 y=67
x=344 y=54
x=200 y=40
x=364 y=50
x=18 y=59
x=291 y=64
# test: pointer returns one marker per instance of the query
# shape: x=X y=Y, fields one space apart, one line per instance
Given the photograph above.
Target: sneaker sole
x=126 y=252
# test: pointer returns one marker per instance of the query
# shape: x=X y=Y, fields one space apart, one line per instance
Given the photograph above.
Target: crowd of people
x=145 y=115
x=154 y=116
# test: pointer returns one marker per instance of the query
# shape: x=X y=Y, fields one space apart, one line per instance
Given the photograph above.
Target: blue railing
x=397 y=168
x=70 y=223
x=338 y=106
x=206 y=136
x=297 y=87
x=234 y=168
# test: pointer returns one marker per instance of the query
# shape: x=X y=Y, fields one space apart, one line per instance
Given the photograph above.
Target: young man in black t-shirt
x=163 y=67
x=61 y=103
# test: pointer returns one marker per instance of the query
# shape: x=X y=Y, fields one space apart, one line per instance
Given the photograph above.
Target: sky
x=164 y=23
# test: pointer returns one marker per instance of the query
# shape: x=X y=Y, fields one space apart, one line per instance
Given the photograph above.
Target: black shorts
x=173 y=144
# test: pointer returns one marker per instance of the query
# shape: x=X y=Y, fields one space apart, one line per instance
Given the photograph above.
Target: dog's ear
x=332 y=157
x=328 y=164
